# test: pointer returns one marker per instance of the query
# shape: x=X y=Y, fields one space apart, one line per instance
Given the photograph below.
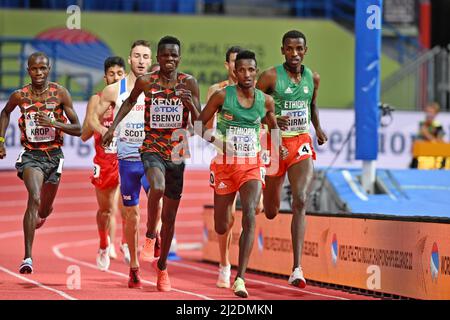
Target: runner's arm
x=87 y=131
x=125 y=108
x=190 y=98
x=73 y=128
x=321 y=136
x=208 y=112
x=211 y=91
x=12 y=103
x=107 y=98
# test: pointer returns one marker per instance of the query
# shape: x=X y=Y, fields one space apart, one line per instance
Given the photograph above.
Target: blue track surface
x=421 y=193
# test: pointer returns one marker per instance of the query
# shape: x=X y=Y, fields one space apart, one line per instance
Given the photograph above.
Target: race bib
x=244 y=141
x=112 y=148
x=37 y=133
x=132 y=132
x=298 y=119
x=304 y=149
x=166 y=117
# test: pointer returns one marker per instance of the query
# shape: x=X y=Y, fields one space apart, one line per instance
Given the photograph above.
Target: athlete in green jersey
x=241 y=109
x=294 y=89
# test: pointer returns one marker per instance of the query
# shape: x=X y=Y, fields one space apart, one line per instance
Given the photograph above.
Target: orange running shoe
x=135 y=281
x=148 y=251
x=163 y=281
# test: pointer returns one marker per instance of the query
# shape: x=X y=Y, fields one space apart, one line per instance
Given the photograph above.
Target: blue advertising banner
x=367 y=77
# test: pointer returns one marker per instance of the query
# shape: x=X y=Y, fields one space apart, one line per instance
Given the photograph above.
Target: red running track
x=68 y=242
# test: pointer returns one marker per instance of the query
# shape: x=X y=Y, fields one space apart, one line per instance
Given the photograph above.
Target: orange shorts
x=106 y=173
x=228 y=178
x=300 y=148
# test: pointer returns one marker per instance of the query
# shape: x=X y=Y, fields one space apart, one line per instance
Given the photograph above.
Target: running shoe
x=135 y=281
x=126 y=252
x=103 y=259
x=297 y=279
x=148 y=251
x=223 y=280
x=158 y=246
x=239 y=288
x=26 y=266
x=112 y=251
x=40 y=222
x=163 y=281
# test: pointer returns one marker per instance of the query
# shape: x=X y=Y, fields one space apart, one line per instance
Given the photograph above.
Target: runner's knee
x=299 y=202
x=34 y=201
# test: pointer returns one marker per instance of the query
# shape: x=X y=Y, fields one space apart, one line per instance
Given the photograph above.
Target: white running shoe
x=126 y=252
x=297 y=279
x=103 y=259
x=112 y=251
x=26 y=266
x=223 y=280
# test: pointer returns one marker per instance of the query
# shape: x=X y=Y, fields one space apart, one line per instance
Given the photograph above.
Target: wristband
x=2 y=139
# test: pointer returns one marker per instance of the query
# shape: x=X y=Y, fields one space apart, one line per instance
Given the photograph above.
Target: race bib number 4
x=304 y=149
x=298 y=119
x=166 y=116
x=37 y=133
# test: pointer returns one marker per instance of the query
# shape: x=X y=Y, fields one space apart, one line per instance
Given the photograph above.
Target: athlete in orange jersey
x=106 y=172
x=44 y=106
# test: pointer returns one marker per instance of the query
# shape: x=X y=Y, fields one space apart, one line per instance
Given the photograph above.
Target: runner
x=44 y=106
x=106 y=171
x=241 y=109
x=170 y=97
x=294 y=89
x=224 y=240
x=130 y=135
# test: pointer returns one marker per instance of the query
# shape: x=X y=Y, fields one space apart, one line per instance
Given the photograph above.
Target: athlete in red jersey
x=106 y=172
x=170 y=97
x=44 y=106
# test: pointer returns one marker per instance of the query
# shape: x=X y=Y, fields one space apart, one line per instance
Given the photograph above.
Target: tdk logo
x=167 y=109
x=135 y=125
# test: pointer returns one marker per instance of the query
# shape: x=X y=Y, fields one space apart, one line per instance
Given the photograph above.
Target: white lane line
x=348 y=178
x=38 y=284
x=204 y=270
x=57 y=251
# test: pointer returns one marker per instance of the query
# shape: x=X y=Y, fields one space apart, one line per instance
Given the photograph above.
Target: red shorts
x=106 y=173
x=228 y=178
x=300 y=148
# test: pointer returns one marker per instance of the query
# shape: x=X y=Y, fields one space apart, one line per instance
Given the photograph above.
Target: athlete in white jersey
x=130 y=134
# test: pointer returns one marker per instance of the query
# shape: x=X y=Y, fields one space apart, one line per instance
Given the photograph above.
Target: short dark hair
x=114 y=61
x=143 y=43
x=246 y=54
x=233 y=49
x=34 y=55
x=169 y=40
x=293 y=34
